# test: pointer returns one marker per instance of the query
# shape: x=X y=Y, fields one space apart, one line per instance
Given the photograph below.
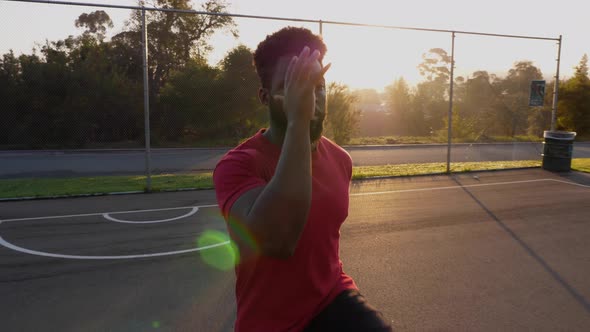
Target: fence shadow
x=553 y=273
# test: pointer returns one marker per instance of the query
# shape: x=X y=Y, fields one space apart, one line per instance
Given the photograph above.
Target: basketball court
x=504 y=250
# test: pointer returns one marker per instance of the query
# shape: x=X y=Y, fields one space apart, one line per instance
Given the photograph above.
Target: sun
x=375 y=57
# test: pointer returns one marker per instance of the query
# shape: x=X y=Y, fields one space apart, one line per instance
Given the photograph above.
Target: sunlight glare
x=223 y=257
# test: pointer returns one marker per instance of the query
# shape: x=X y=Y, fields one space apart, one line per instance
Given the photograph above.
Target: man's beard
x=278 y=118
x=316 y=128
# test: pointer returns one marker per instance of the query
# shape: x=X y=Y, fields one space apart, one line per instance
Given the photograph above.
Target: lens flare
x=222 y=257
x=243 y=233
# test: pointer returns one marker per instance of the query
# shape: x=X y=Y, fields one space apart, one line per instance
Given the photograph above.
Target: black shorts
x=349 y=312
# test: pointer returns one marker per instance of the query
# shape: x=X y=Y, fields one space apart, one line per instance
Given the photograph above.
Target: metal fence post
x=556 y=86
x=321 y=28
x=146 y=102
x=450 y=122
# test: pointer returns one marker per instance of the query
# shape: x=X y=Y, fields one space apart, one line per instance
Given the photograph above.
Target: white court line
x=568 y=182
x=194 y=210
x=108 y=217
x=101 y=213
x=465 y=186
x=158 y=254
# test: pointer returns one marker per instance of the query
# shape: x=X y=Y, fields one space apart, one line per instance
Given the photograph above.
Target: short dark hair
x=288 y=41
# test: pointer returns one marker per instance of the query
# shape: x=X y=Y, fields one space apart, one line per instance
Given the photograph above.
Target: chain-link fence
x=76 y=105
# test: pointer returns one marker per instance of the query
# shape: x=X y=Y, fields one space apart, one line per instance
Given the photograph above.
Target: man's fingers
x=314 y=56
x=325 y=69
x=299 y=66
x=320 y=75
x=311 y=65
x=308 y=66
x=290 y=69
x=305 y=51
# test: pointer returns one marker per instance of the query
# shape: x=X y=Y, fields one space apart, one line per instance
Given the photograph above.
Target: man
x=284 y=195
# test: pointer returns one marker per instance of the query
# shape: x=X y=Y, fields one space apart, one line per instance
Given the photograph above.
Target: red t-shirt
x=284 y=295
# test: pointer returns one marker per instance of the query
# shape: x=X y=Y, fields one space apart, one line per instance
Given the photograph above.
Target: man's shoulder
x=250 y=153
x=246 y=150
x=336 y=149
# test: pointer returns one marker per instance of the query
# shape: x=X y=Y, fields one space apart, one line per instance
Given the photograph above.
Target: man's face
x=276 y=91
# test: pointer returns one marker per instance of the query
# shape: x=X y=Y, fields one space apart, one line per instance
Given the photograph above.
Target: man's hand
x=303 y=74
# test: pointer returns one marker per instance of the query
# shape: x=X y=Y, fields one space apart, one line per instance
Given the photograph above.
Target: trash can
x=558 y=147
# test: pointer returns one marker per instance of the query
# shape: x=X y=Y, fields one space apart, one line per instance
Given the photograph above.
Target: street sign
x=537 y=93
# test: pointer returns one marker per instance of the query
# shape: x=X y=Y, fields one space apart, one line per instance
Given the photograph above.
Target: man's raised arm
x=276 y=214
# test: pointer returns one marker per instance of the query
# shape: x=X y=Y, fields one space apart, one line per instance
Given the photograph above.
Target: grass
x=581 y=164
x=45 y=187
x=365 y=172
x=384 y=140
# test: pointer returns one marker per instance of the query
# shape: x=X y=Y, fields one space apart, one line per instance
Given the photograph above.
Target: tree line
x=484 y=104
x=87 y=91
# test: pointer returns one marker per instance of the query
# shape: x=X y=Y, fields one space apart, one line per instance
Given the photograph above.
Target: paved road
x=27 y=163
x=507 y=251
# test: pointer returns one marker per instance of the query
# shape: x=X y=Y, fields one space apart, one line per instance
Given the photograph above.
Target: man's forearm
x=280 y=212
x=293 y=173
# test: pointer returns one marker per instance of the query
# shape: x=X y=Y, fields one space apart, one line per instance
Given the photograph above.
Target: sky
x=365 y=57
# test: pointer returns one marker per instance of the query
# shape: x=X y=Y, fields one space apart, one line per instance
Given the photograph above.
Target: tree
x=431 y=96
x=87 y=89
x=74 y=92
x=15 y=116
x=574 y=101
x=105 y=101
x=343 y=117
x=474 y=105
x=367 y=97
x=421 y=120
x=175 y=38
x=463 y=127
x=398 y=101
x=374 y=120
x=514 y=92
x=429 y=107
x=243 y=112
x=96 y=23
x=582 y=69
x=204 y=102
x=189 y=104
x=435 y=65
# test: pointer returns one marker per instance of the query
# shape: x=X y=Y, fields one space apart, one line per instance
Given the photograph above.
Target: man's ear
x=264 y=96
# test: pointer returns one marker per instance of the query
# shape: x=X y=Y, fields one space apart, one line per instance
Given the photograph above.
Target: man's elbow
x=280 y=242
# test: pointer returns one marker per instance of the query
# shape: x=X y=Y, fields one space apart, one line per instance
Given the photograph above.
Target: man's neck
x=277 y=136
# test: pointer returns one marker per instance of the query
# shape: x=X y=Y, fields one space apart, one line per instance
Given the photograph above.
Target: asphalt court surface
x=481 y=251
